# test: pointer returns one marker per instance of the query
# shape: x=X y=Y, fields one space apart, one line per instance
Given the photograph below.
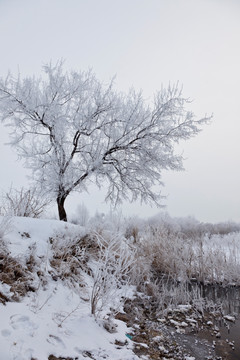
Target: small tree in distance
x=70 y=129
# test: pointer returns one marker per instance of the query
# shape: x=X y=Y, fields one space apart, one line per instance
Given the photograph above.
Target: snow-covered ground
x=55 y=318
x=48 y=270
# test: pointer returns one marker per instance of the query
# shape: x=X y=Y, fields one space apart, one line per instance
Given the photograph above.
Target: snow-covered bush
x=23 y=202
x=71 y=251
x=17 y=273
x=111 y=273
x=188 y=254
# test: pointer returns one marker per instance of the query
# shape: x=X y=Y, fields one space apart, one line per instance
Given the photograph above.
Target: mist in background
x=147 y=44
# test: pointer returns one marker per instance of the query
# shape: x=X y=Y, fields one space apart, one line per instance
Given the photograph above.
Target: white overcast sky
x=146 y=43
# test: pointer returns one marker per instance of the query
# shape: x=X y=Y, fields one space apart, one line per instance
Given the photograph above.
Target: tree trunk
x=61 y=210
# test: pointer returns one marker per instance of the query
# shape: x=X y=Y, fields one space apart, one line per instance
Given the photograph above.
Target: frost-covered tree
x=72 y=129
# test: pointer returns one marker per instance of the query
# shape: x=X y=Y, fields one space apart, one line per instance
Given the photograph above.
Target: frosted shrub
x=206 y=259
x=71 y=252
x=111 y=273
x=167 y=253
x=23 y=202
x=221 y=258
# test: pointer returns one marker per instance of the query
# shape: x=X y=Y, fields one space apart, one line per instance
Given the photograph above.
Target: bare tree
x=70 y=128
